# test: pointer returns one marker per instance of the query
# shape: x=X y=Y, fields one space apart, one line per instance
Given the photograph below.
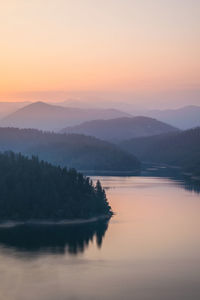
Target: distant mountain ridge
x=121 y=128
x=184 y=118
x=40 y=115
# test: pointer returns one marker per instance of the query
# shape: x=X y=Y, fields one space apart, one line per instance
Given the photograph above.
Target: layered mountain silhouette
x=184 y=118
x=73 y=151
x=121 y=128
x=40 y=115
x=176 y=149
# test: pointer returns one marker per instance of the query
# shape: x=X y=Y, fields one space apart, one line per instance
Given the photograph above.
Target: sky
x=142 y=51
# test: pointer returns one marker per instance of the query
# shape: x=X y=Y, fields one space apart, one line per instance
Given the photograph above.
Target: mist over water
x=148 y=251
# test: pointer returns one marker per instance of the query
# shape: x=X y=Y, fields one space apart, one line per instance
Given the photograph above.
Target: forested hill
x=77 y=151
x=118 y=129
x=34 y=190
x=177 y=149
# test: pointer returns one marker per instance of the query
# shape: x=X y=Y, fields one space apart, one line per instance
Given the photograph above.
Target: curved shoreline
x=11 y=223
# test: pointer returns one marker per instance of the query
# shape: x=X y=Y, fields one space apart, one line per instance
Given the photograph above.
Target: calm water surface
x=150 y=250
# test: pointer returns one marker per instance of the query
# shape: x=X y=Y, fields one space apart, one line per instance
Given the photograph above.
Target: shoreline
x=11 y=223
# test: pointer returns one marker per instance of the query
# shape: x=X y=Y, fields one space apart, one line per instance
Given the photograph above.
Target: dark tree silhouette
x=33 y=189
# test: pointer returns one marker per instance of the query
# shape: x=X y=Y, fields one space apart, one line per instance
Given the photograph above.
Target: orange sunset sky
x=55 y=48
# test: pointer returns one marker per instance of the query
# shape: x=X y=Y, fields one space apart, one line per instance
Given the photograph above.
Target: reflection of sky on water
x=150 y=250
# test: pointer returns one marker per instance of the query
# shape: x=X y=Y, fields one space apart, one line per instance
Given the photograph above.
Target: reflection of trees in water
x=191 y=185
x=175 y=174
x=52 y=239
x=187 y=183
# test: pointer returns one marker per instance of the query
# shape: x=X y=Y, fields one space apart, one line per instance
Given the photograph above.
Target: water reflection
x=191 y=185
x=39 y=239
x=150 y=250
x=187 y=182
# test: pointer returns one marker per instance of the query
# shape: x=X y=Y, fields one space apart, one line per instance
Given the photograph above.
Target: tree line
x=34 y=189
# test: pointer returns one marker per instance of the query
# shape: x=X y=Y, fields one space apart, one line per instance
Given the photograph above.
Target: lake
x=149 y=250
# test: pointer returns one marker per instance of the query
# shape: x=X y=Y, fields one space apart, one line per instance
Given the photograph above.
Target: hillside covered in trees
x=34 y=190
x=176 y=149
x=72 y=151
x=115 y=130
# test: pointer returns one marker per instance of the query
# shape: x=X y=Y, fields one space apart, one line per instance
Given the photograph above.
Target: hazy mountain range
x=72 y=112
x=40 y=115
x=144 y=137
x=74 y=151
x=121 y=128
x=175 y=149
x=184 y=118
